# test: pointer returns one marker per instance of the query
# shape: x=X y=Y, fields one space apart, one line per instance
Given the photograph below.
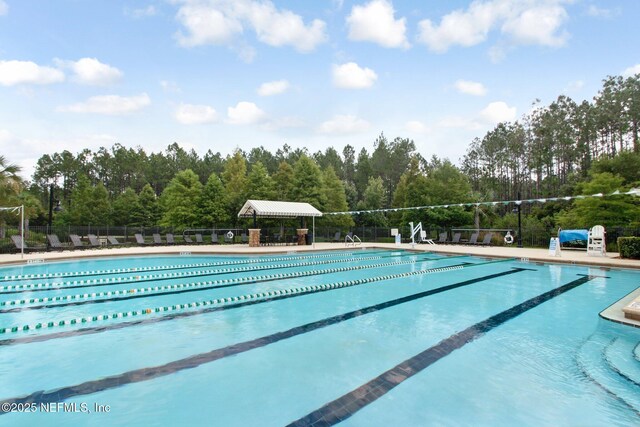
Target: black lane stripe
x=299 y=257
x=181 y=291
x=154 y=279
x=145 y=374
x=345 y=406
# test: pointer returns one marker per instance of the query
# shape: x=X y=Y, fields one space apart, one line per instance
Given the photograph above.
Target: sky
x=227 y=74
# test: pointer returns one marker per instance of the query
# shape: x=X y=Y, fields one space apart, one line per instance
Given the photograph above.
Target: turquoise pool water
x=363 y=338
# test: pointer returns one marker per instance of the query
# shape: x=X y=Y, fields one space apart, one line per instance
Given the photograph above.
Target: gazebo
x=275 y=209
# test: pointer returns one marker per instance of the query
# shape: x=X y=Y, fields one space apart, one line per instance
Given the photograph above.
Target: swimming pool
x=367 y=337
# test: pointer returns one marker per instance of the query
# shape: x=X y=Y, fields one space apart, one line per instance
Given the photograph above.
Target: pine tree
x=235 y=183
x=212 y=204
x=179 y=201
x=126 y=209
x=150 y=206
x=283 y=180
x=260 y=185
x=336 y=200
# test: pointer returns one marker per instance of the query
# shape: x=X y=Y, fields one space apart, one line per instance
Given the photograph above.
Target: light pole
x=58 y=208
x=519 y=203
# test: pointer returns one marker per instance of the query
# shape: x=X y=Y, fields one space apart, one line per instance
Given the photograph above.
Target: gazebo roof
x=276 y=209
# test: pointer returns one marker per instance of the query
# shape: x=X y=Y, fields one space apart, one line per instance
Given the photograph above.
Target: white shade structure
x=276 y=209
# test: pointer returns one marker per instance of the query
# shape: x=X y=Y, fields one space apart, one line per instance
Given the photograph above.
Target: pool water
x=363 y=338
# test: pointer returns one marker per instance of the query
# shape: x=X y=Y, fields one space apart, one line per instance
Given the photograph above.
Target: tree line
x=564 y=148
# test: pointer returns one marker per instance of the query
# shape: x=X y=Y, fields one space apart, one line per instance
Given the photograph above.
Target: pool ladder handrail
x=353 y=239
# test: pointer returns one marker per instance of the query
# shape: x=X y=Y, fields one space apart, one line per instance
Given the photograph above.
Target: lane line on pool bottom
x=236 y=302
x=61 y=275
x=345 y=406
x=135 y=293
x=145 y=374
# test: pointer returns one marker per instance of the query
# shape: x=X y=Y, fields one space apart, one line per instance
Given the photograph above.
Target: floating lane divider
x=238 y=299
x=171 y=267
x=33 y=287
x=125 y=294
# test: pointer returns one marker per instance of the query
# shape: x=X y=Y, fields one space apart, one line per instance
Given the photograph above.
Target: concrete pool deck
x=611 y=260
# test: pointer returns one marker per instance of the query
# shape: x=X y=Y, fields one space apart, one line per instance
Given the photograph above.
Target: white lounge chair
x=596 y=243
x=423 y=238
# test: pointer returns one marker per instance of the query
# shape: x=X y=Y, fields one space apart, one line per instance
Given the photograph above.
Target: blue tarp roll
x=571 y=235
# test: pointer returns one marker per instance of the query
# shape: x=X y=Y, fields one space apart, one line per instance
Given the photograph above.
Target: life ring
x=508 y=238
x=230 y=235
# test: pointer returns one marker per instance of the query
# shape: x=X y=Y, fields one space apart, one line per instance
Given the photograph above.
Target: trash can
x=309 y=239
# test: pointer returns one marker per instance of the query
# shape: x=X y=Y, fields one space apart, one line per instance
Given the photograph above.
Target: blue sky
x=221 y=74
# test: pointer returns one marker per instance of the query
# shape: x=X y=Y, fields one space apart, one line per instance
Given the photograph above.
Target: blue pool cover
x=571 y=235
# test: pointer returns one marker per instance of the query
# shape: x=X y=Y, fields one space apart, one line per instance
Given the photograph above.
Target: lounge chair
x=423 y=238
x=140 y=239
x=442 y=238
x=21 y=244
x=54 y=242
x=596 y=245
x=113 y=241
x=214 y=238
x=157 y=240
x=94 y=241
x=486 y=241
x=456 y=239
x=76 y=241
x=473 y=240
x=170 y=239
x=187 y=239
x=336 y=237
x=244 y=238
x=199 y=239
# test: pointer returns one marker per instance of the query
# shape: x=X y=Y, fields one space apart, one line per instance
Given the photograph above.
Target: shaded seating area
x=277 y=209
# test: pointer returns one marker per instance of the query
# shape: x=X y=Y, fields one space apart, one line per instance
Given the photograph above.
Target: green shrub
x=629 y=247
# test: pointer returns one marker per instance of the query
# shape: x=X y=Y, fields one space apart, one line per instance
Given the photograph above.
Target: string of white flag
x=632 y=192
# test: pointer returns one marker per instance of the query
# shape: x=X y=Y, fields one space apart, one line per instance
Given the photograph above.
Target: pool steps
x=590 y=359
x=222 y=301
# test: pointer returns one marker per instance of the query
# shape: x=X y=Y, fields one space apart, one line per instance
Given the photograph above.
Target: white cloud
x=523 y=22
x=273 y=88
x=538 y=26
x=283 y=123
x=416 y=126
x=169 y=86
x=142 y=12
x=90 y=71
x=457 y=122
x=4 y=8
x=219 y=21
x=352 y=76
x=631 y=71
x=344 y=124
x=27 y=72
x=374 y=22
x=245 y=113
x=574 y=86
x=111 y=105
x=598 y=12
x=189 y=114
x=470 y=88
x=497 y=112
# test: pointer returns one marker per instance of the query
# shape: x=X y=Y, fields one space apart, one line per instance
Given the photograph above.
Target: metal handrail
x=353 y=240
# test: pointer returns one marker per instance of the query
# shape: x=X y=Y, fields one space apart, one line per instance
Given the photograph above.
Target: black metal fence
x=36 y=236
